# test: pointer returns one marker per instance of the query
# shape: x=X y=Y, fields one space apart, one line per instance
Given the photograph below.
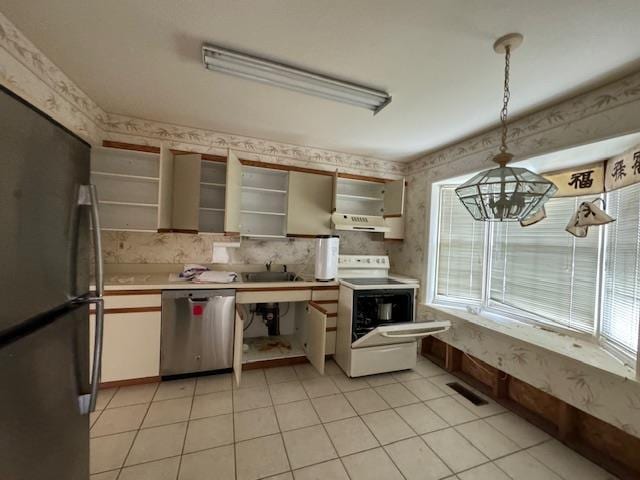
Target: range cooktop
x=372 y=281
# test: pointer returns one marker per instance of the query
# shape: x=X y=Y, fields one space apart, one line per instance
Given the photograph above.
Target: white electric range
x=376 y=328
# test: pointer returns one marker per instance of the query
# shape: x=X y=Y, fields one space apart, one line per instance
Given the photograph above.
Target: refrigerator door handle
x=88 y=195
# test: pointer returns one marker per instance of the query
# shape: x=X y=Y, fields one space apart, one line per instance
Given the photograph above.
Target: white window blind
x=543 y=270
x=621 y=303
x=460 y=249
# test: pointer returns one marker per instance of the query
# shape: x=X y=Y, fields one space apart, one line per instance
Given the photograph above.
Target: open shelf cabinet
x=128 y=188
x=364 y=197
x=213 y=180
x=263 y=202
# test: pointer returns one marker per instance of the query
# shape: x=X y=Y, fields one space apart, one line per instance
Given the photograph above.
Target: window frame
x=502 y=312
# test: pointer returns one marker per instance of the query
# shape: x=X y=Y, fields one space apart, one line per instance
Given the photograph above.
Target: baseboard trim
x=129 y=382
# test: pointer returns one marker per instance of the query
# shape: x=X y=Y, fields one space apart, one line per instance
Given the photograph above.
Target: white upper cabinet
x=128 y=188
x=371 y=198
x=166 y=189
x=213 y=181
x=393 y=195
x=233 y=194
x=309 y=204
x=359 y=197
x=263 y=202
x=186 y=194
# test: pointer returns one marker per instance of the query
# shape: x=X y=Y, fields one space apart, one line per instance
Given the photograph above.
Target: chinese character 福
x=581 y=179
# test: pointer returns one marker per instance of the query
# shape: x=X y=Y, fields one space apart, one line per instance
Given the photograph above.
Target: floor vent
x=468 y=394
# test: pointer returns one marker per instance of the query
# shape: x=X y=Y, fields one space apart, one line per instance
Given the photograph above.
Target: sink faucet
x=268 y=265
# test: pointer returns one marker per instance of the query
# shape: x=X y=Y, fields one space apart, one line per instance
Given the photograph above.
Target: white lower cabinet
x=306 y=336
x=316 y=336
x=237 y=345
x=131 y=345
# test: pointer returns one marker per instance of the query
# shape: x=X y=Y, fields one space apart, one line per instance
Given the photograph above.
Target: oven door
x=400 y=333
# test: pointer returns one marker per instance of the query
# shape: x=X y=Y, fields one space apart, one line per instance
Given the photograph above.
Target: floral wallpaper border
x=608 y=111
x=134 y=130
x=25 y=70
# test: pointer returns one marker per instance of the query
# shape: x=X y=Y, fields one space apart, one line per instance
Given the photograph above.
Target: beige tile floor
x=290 y=423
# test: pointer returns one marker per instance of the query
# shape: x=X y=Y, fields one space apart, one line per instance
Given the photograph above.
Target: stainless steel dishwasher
x=197 y=331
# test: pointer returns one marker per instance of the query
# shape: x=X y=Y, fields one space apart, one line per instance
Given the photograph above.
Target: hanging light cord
x=505 y=99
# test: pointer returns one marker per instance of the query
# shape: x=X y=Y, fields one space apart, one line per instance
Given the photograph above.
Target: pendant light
x=505 y=193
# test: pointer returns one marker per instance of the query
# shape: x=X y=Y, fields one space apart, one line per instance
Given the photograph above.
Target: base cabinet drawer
x=329 y=294
x=131 y=345
x=273 y=296
x=113 y=300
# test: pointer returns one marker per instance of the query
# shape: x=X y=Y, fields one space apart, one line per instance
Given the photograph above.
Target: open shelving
x=128 y=184
x=212 y=196
x=359 y=197
x=263 y=209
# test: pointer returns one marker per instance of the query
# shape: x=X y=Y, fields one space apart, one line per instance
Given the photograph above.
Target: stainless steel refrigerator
x=46 y=208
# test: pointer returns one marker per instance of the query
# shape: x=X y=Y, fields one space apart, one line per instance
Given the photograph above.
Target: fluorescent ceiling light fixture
x=277 y=74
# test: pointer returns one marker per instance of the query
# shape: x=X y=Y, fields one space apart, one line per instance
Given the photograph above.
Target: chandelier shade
x=505 y=194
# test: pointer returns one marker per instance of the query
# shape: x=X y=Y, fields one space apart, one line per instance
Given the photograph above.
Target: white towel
x=213 y=276
x=190 y=270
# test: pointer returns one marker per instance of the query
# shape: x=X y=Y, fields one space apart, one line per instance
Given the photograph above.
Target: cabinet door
x=316 y=336
x=237 y=346
x=334 y=197
x=394 y=198
x=186 y=192
x=396 y=224
x=233 y=194
x=165 y=192
x=310 y=197
x=131 y=345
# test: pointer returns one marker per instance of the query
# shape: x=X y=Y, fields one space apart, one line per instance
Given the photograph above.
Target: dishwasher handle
x=199 y=299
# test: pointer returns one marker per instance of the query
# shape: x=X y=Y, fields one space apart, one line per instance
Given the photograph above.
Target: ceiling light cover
x=292 y=78
x=505 y=193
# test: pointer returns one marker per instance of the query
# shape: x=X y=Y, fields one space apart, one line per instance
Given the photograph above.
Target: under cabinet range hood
x=363 y=223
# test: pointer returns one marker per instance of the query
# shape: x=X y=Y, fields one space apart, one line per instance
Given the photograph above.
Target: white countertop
x=160 y=281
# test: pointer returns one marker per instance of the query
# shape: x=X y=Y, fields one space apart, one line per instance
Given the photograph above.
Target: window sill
x=577 y=349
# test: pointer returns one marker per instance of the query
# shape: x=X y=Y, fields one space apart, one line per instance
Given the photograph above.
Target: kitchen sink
x=269 y=277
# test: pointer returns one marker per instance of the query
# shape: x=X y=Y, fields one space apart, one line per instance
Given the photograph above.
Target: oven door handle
x=416 y=334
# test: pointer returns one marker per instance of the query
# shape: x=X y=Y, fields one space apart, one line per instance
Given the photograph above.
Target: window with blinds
x=542 y=273
x=460 y=250
x=621 y=291
x=543 y=270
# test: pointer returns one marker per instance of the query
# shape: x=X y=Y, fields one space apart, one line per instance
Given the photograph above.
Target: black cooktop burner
x=372 y=281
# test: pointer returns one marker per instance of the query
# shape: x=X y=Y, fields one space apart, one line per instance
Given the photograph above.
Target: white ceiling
x=142 y=58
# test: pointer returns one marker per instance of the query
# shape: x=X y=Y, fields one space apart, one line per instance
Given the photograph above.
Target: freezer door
x=44 y=248
x=400 y=333
x=43 y=435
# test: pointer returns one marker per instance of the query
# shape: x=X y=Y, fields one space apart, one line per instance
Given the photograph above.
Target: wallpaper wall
x=610 y=111
x=133 y=247
x=612 y=398
x=26 y=70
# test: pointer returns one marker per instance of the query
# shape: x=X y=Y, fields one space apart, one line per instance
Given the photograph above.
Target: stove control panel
x=363 y=261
